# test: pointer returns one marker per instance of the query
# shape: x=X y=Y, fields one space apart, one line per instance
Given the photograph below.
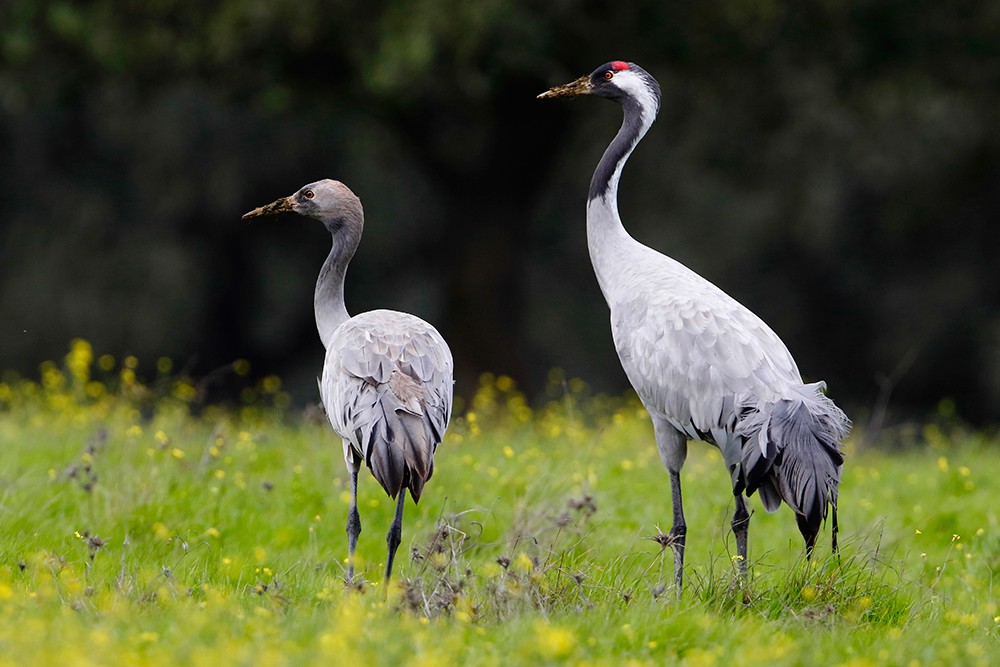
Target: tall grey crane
x=704 y=366
x=388 y=376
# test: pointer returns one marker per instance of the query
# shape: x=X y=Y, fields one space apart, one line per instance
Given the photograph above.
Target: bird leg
x=834 y=530
x=741 y=525
x=678 y=531
x=672 y=445
x=395 y=534
x=353 y=526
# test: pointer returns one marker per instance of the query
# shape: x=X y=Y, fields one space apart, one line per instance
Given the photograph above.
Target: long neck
x=606 y=236
x=328 y=300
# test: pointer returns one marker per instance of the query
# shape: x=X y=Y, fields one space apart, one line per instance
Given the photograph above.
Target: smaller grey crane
x=388 y=376
x=704 y=366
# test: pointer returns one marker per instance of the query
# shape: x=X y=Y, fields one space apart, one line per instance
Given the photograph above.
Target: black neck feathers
x=606 y=175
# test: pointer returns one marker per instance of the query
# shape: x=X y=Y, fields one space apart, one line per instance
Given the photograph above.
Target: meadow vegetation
x=140 y=526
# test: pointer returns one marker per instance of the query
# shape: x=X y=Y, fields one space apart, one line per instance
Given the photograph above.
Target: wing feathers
x=387 y=387
x=792 y=453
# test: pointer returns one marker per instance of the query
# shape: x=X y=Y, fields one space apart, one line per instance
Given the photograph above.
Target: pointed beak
x=283 y=205
x=579 y=87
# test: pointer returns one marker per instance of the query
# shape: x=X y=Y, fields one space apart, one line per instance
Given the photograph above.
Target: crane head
x=596 y=83
x=327 y=200
x=618 y=80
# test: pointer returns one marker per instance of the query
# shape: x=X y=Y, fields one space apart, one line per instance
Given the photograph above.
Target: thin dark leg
x=834 y=531
x=395 y=534
x=741 y=526
x=353 y=526
x=678 y=531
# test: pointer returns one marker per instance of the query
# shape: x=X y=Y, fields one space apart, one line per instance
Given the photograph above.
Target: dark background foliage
x=834 y=165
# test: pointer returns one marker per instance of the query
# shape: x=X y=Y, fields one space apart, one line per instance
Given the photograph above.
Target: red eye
x=609 y=75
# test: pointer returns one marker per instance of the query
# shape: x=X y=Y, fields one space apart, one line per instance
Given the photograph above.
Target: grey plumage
x=704 y=366
x=387 y=385
x=388 y=376
x=792 y=453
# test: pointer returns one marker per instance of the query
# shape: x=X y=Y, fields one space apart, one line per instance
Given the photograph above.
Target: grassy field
x=132 y=532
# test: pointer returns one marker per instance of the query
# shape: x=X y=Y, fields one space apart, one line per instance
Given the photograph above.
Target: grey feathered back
x=387 y=377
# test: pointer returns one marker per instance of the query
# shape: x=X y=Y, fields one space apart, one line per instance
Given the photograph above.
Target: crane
x=388 y=376
x=703 y=365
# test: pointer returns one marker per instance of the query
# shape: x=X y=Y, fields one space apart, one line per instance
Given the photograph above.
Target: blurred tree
x=835 y=166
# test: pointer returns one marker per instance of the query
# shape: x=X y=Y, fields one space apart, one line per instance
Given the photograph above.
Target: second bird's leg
x=741 y=526
x=353 y=526
x=395 y=534
x=678 y=531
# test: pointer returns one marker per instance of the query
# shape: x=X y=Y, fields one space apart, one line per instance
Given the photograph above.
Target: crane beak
x=579 y=87
x=283 y=205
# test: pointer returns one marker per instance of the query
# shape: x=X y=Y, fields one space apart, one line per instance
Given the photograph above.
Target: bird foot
x=354 y=583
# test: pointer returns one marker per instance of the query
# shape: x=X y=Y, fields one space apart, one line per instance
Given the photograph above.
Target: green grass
x=134 y=533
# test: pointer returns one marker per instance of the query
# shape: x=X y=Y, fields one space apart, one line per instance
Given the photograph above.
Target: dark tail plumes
x=792 y=452
x=401 y=449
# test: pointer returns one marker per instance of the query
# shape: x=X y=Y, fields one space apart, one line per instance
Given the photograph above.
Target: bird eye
x=308 y=194
x=609 y=75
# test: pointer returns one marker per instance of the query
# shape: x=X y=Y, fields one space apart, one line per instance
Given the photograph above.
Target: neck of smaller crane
x=607 y=238
x=328 y=301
